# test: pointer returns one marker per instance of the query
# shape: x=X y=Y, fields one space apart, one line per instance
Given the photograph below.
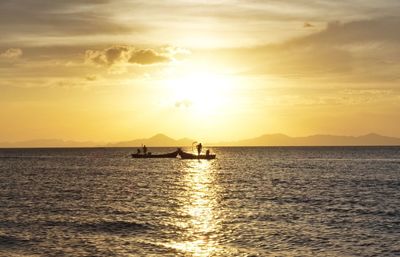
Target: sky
x=115 y=70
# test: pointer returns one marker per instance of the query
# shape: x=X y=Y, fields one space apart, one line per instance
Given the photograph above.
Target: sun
x=200 y=91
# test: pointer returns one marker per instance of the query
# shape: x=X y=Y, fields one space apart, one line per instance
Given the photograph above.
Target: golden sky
x=113 y=70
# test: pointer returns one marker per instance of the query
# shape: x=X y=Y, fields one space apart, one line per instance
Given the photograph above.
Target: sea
x=251 y=201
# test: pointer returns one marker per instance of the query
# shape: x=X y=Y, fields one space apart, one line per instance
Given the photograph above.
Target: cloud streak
x=55 y=18
x=359 y=51
x=12 y=53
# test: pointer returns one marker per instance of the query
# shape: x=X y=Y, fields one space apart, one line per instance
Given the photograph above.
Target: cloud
x=359 y=51
x=183 y=103
x=91 y=77
x=383 y=29
x=58 y=18
x=109 y=56
x=123 y=54
x=147 y=56
x=308 y=25
x=12 y=53
x=212 y=23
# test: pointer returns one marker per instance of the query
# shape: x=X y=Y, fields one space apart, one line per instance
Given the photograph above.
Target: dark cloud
x=271 y=10
x=147 y=56
x=125 y=54
x=48 y=22
x=57 y=17
x=384 y=29
x=109 y=56
x=359 y=51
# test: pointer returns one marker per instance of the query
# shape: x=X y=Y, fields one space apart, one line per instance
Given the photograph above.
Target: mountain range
x=316 y=140
x=162 y=140
x=157 y=140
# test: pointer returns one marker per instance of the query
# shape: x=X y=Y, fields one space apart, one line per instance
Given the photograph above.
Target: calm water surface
x=327 y=201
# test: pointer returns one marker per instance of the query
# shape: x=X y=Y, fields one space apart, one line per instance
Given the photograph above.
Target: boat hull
x=152 y=156
x=184 y=155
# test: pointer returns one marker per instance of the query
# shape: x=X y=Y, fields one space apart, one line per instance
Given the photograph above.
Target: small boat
x=149 y=155
x=185 y=155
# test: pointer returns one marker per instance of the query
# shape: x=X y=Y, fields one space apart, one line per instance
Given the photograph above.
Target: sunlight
x=201 y=91
x=201 y=206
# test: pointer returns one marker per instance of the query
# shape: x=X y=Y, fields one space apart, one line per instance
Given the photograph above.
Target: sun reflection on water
x=200 y=206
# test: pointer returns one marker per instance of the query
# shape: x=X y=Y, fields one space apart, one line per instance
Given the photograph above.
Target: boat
x=150 y=155
x=185 y=155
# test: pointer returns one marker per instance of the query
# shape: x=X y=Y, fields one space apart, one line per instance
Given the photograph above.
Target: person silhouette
x=199 y=148
x=144 y=149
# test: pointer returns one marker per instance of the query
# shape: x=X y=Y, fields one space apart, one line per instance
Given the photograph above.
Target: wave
x=116 y=226
x=11 y=241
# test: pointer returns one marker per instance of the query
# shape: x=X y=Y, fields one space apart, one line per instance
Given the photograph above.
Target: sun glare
x=200 y=91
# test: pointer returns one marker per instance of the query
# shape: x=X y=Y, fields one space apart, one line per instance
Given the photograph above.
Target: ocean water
x=289 y=201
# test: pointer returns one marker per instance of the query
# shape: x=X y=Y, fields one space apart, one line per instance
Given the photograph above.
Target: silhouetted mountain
x=157 y=140
x=264 y=140
x=316 y=140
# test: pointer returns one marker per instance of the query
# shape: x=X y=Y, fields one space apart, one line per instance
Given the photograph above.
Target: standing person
x=199 y=147
x=144 y=149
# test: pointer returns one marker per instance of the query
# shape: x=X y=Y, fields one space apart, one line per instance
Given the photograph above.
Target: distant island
x=161 y=140
x=157 y=140
x=371 y=139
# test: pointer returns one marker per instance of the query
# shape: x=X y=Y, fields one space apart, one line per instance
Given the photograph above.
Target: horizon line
x=211 y=146
x=186 y=137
